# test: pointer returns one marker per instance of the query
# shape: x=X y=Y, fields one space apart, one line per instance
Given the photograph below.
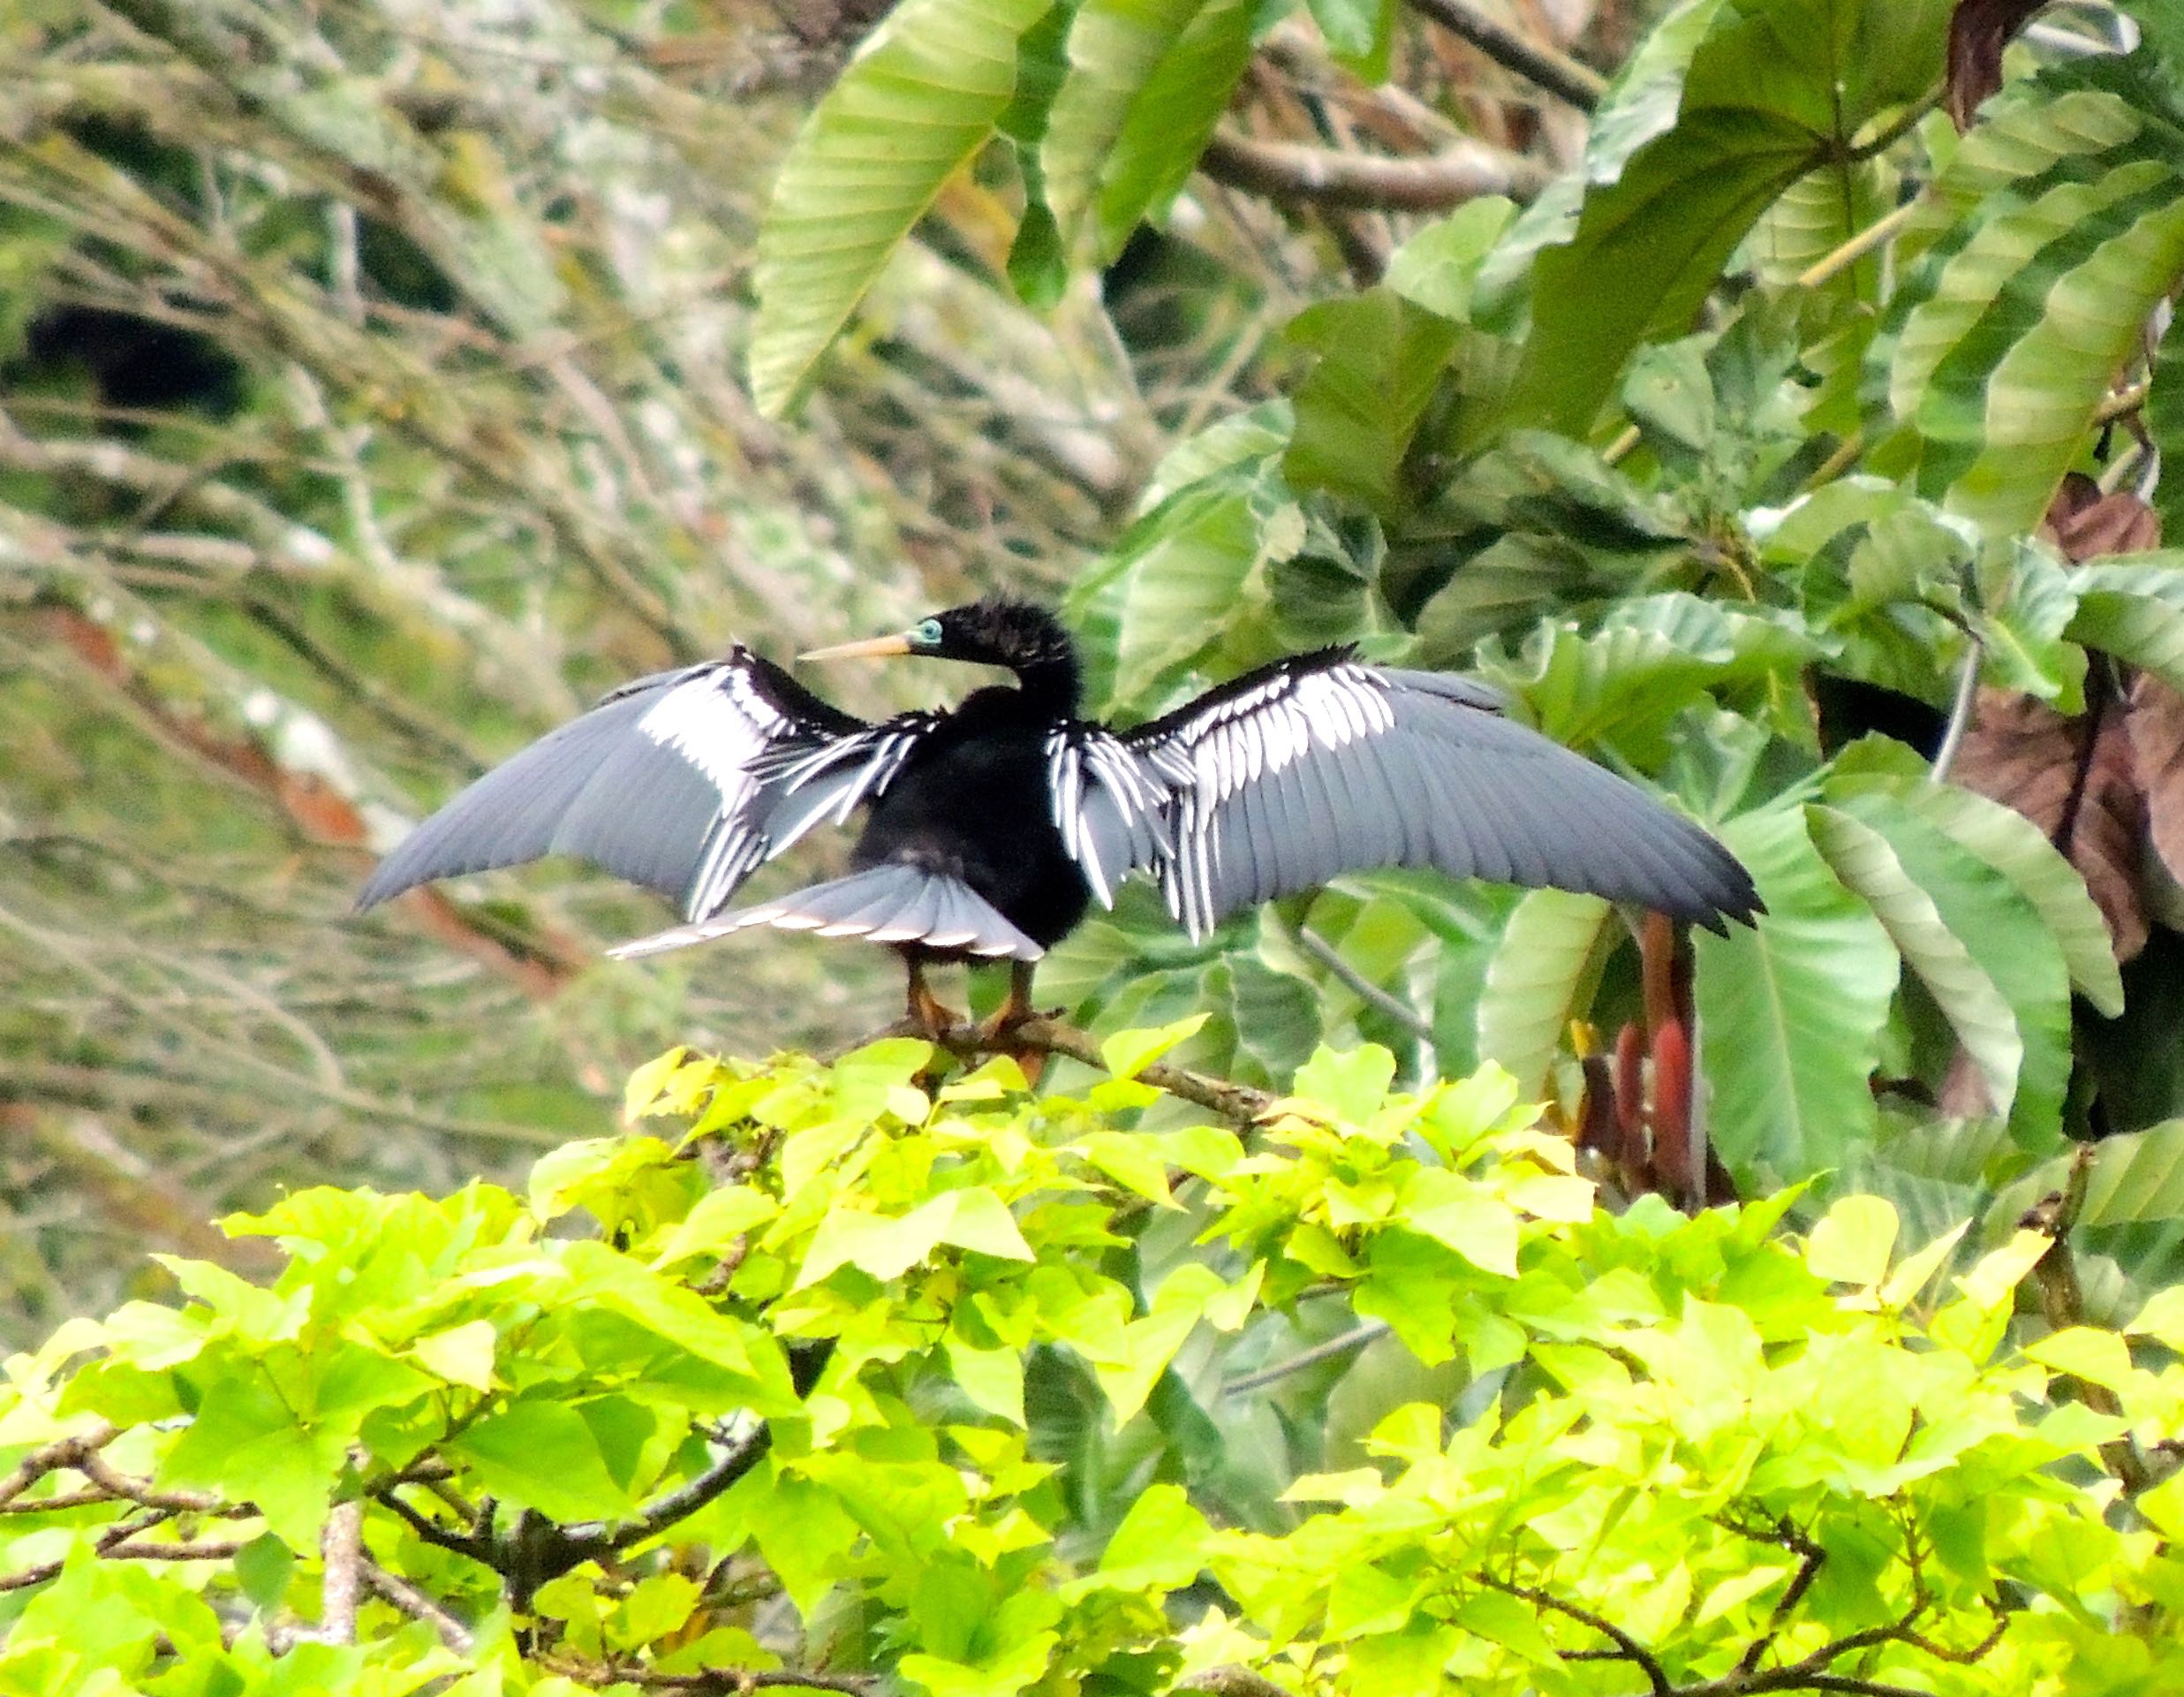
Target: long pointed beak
x=872 y=647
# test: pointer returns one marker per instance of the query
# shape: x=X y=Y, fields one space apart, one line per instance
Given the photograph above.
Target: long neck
x=1052 y=683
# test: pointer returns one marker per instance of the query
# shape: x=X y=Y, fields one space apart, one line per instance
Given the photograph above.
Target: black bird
x=992 y=827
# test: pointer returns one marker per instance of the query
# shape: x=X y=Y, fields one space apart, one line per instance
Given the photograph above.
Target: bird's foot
x=929 y=1016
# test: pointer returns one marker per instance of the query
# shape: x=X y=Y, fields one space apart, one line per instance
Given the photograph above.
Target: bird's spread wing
x=685 y=782
x=1320 y=764
x=1108 y=804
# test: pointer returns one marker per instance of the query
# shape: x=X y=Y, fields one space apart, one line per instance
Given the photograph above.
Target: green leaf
x=1653 y=656
x=1128 y=1053
x=2060 y=226
x=992 y=1378
x=886 y=1247
x=2005 y=938
x=1379 y=358
x=921 y=97
x=1540 y=979
x=1853 y=1241
x=541 y=1455
x=1791 y=1010
x=1771 y=93
x=1351 y=1084
x=2020 y=851
x=1147 y=81
x=1436 y=267
x=1867 y=864
x=1172 y=118
x=1161 y=1543
x=1466 y=1217
x=462 y=1355
x=1357 y=33
x=2135 y=609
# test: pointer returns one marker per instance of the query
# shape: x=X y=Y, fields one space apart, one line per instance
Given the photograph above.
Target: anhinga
x=992 y=826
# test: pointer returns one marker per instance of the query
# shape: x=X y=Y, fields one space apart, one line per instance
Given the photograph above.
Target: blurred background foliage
x=1769 y=393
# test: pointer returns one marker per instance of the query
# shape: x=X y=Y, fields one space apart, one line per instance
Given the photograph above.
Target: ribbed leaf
x=1147 y=81
x=2006 y=938
x=1171 y=120
x=1538 y=980
x=1791 y=1011
x=2020 y=851
x=2060 y=226
x=1866 y=863
x=1650 y=659
x=1379 y=358
x=1771 y=93
x=921 y=97
x=2135 y=609
x=2165 y=422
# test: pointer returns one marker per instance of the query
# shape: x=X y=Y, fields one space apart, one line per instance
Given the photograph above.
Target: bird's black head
x=1029 y=640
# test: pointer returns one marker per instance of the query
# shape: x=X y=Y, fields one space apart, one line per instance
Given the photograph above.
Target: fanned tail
x=893 y=903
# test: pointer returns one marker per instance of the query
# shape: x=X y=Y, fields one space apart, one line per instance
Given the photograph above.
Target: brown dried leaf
x=2156 y=724
x=1978 y=32
x=2077 y=780
x=2086 y=524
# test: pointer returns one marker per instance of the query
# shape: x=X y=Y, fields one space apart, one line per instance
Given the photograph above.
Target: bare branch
x=341 y=1549
x=1286 y=170
x=1550 y=69
x=414 y=1603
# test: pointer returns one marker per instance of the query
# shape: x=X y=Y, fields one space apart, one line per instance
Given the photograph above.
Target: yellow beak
x=872 y=647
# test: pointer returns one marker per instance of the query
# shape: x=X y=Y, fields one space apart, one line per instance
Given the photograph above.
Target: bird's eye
x=928 y=634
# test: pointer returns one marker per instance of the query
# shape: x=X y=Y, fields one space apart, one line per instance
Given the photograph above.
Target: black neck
x=1051 y=682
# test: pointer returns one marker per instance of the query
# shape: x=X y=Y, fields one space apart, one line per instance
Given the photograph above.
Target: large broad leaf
x=1540 y=978
x=1380 y=357
x=1869 y=866
x=2134 y=610
x=922 y=96
x=2165 y=422
x=1650 y=658
x=1147 y=81
x=2057 y=229
x=2020 y=851
x=1774 y=89
x=1981 y=949
x=1791 y=1010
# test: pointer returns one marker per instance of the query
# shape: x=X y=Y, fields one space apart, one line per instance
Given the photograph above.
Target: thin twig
x=1628 y=1648
x=680 y=1504
x=1961 y=707
x=68 y=1453
x=1357 y=1337
x=1328 y=956
x=715 y=1682
x=1857 y=247
x=1239 y=1104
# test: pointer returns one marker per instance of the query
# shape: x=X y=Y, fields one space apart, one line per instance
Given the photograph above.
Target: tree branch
x=1626 y=1648
x=1239 y=1104
x=2062 y=1300
x=1555 y=72
x=414 y=1603
x=1286 y=170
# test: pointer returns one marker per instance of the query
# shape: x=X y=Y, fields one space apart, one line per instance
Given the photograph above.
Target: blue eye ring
x=927 y=633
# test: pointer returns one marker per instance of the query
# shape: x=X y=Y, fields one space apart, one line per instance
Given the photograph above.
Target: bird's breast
x=974 y=804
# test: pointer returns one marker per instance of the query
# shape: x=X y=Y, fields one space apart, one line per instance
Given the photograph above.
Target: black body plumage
x=992 y=828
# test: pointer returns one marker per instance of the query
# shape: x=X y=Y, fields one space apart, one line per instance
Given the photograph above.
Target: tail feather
x=884 y=903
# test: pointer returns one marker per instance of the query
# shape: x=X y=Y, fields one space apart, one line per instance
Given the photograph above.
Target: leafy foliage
x=935 y=1385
